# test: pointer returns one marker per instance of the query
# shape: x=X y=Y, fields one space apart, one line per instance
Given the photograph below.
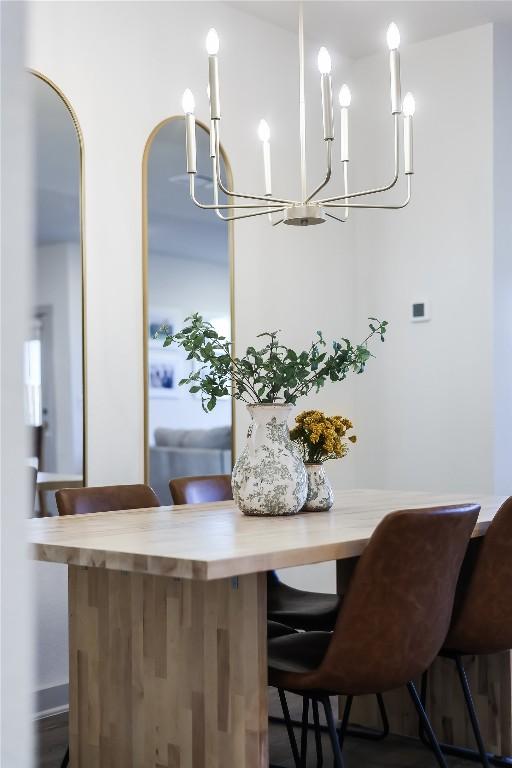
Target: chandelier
x=310 y=208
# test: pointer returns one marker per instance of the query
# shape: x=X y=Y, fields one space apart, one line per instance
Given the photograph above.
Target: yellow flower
x=322 y=437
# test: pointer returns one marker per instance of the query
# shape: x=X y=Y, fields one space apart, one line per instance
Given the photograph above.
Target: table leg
x=167 y=673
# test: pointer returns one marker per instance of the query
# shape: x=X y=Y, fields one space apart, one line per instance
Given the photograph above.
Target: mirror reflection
x=188 y=270
x=54 y=396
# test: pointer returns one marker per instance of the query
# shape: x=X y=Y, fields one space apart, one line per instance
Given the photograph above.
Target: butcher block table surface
x=213 y=541
x=167 y=617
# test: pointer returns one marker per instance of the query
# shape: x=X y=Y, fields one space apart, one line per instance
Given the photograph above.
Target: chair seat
x=301 y=652
x=276 y=629
x=314 y=611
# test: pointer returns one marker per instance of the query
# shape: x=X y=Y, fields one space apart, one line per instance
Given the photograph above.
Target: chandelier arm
x=225 y=206
x=344 y=218
x=248 y=215
x=230 y=193
x=337 y=218
x=327 y=174
x=216 y=200
x=326 y=200
x=381 y=207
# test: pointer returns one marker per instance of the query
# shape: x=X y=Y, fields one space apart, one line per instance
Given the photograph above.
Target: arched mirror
x=54 y=351
x=188 y=267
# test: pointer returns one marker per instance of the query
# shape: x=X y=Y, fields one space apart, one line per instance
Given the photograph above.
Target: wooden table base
x=165 y=672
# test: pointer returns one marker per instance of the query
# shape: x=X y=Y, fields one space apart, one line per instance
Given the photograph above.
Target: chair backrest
x=35 y=444
x=106 y=498
x=397 y=609
x=482 y=619
x=197 y=490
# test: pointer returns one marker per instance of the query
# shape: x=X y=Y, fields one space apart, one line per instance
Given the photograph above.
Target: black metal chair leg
x=464 y=752
x=304 y=733
x=426 y=724
x=370 y=734
x=338 y=760
x=471 y=711
x=318 y=734
x=65 y=760
x=345 y=720
x=289 y=727
x=423 y=699
x=383 y=716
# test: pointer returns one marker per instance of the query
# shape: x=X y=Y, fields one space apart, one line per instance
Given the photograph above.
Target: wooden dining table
x=167 y=624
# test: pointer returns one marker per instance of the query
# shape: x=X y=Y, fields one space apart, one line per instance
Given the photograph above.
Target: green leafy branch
x=272 y=373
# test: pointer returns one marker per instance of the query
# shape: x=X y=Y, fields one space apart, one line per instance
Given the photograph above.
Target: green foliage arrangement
x=273 y=373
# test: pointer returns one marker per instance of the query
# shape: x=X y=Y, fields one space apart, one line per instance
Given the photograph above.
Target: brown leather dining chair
x=288 y=609
x=106 y=498
x=482 y=617
x=392 y=622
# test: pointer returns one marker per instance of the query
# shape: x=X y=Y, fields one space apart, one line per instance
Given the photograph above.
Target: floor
x=391 y=753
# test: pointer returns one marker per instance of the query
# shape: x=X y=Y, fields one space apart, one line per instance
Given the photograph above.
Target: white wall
x=16 y=224
x=425 y=413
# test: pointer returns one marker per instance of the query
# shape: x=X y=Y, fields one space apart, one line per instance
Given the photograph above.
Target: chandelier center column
x=302 y=106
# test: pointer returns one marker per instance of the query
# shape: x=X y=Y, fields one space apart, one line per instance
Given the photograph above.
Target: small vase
x=269 y=477
x=320 y=497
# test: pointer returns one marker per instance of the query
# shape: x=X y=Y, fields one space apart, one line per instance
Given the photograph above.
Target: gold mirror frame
x=145 y=301
x=81 y=196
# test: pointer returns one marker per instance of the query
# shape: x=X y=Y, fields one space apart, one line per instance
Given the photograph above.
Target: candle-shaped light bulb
x=324 y=65
x=409 y=107
x=188 y=102
x=212 y=42
x=393 y=37
x=345 y=97
x=212 y=46
x=324 y=61
x=264 y=135
x=263 y=131
x=394 y=68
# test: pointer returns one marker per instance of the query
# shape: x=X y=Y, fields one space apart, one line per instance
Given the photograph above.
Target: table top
x=53 y=481
x=212 y=541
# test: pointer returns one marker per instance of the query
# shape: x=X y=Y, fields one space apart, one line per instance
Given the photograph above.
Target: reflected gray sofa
x=187 y=452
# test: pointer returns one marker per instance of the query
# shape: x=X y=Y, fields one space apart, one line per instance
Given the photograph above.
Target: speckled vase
x=320 y=497
x=269 y=477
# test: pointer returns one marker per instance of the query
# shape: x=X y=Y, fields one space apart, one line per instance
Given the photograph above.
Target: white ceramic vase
x=269 y=477
x=320 y=497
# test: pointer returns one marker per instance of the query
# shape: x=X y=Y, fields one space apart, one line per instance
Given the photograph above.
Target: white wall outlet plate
x=420 y=311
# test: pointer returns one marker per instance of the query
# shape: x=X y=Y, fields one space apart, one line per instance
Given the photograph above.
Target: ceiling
x=57 y=167
x=357 y=28
x=176 y=225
